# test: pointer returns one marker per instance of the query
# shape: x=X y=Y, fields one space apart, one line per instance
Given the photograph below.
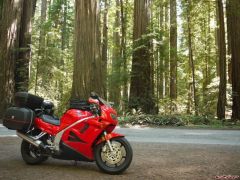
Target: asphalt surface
x=183 y=154
x=169 y=135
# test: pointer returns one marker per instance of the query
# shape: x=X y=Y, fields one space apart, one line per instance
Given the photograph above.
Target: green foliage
x=176 y=120
x=52 y=62
x=152 y=120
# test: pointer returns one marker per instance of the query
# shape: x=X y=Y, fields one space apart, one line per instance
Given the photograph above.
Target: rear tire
x=31 y=154
x=116 y=162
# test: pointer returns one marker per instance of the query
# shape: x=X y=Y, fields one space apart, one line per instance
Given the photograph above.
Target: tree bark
x=87 y=71
x=24 y=53
x=222 y=63
x=11 y=11
x=166 y=52
x=161 y=54
x=233 y=7
x=124 y=54
x=229 y=56
x=173 y=49
x=191 y=61
x=141 y=93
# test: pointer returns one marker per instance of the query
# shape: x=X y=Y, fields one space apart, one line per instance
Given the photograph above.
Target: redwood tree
x=15 y=23
x=87 y=73
x=233 y=17
x=141 y=92
x=222 y=62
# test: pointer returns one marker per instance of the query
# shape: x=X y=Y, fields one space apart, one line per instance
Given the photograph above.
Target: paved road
x=162 y=135
x=188 y=136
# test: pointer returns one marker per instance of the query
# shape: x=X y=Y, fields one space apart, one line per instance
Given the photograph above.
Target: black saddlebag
x=18 y=118
x=27 y=100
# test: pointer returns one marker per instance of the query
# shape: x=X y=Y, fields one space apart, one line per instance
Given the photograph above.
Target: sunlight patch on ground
x=8 y=136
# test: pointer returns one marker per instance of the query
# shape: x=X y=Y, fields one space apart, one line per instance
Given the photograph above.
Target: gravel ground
x=151 y=161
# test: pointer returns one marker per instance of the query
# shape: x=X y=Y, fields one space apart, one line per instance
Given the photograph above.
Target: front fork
x=107 y=137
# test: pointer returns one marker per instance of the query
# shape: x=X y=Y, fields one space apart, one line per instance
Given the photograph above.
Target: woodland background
x=163 y=57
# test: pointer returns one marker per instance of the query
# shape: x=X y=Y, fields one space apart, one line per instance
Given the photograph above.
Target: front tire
x=31 y=154
x=114 y=162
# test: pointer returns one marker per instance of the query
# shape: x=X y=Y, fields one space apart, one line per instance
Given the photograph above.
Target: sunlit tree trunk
x=87 y=71
x=10 y=17
x=166 y=52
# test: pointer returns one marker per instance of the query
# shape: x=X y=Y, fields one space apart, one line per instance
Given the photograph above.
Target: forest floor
x=151 y=160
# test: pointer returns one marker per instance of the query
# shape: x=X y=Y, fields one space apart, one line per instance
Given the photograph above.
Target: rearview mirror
x=93 y=101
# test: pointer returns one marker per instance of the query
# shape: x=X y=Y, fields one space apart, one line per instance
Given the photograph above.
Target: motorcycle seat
x=50 y=119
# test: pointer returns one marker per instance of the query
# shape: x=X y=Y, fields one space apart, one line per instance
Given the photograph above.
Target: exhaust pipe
x=29 y=139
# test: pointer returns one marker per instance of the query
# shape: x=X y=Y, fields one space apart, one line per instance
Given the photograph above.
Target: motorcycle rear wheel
x=31 y=154
x=114 y=162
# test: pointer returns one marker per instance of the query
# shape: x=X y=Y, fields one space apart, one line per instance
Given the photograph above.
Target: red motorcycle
x=83 y=133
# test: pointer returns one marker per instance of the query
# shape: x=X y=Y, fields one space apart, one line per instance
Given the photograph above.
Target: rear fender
x=108 y=137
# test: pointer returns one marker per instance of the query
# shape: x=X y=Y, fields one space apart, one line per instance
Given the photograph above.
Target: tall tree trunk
x=191 y=62
x=229 y=53
x=161 y=54
x=105 y=46
x=87 y=71
x=64 y=45
x=173 y=49
x=42 y=43
x=124 y=55
x=222 y=63
x=166 y=52
x=10 y=17
x=141 y=93
x=207 y=68
x=173 y=52
x=233 y=7
x=24 y=54
x=115 y=84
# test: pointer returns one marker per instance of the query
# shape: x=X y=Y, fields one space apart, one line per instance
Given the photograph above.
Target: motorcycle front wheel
x=116 y=161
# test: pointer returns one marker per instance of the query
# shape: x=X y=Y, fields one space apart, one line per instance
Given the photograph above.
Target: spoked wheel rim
x=118 y=160
x=113 y=158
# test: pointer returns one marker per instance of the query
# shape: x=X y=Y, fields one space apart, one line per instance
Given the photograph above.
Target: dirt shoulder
x=151 y=161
